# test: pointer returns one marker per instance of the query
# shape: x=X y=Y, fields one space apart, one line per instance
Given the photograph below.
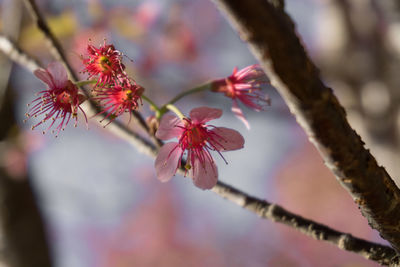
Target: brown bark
x=272 y=38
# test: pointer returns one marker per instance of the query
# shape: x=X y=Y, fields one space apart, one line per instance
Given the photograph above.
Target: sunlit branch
x=14 y=53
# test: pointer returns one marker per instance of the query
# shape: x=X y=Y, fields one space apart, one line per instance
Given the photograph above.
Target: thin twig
x=379 y=253
x=272 y=37
x=369 y=250
x=14 y=53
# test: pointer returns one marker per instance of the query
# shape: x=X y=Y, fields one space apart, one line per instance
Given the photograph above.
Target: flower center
x=230 y=89
x=128 y=95
x=64 y=98
x=124 y=96
x=104 y=63
x=194 y=136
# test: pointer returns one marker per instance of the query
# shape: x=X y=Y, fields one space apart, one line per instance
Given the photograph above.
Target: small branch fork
x=272 y=37
x=373 y=251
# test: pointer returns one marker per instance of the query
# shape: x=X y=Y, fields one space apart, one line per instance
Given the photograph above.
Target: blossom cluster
x=114 y=89
x=118 y=93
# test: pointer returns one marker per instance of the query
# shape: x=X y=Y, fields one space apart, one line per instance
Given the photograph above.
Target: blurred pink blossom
x=155 y=234
x=14 y=162
x=146 y=14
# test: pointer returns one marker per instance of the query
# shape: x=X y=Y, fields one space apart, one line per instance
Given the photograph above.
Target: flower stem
x=83 y=83
x=152 y=105
x=197 y=89
x=175 y=110
x=203 y=87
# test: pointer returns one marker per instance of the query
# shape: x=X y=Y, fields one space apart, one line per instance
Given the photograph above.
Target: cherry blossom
x=104 y=62
x=196 y=139
x=245 y=86
x=119 y=98
x=60 y=101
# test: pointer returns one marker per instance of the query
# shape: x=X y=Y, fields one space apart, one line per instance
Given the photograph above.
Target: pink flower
x=244 y=85
x=196 y=139
x=121 y=97
x=60 y=101
x=104 y=62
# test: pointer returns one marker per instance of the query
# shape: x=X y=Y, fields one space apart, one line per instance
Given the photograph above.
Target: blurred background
x=98 y=199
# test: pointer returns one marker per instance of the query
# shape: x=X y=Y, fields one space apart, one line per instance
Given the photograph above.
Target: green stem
x=197 y=89
x=152 y=105
x=175 y=110
x=203 y=87
x=83 y=83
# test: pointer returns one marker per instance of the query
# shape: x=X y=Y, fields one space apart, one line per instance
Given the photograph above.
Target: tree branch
x=15 y=54
x=271 y=35
x=55 y=46
x=379 y=253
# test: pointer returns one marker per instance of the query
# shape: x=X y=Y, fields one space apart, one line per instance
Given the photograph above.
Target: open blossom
x=197 y=139
x=245 y=86
x=119 y=98
x=60 y=101
x=104 y=62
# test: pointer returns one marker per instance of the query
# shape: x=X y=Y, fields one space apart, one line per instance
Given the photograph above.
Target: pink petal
x=225 y=139
x=239 y=114
x=167 y=161
x=57 y=70
x=167 y=129
x=205 y=114
x=45 y=77
x=205 y=175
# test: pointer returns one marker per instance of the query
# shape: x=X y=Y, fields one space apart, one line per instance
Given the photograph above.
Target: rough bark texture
x=271 y=35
